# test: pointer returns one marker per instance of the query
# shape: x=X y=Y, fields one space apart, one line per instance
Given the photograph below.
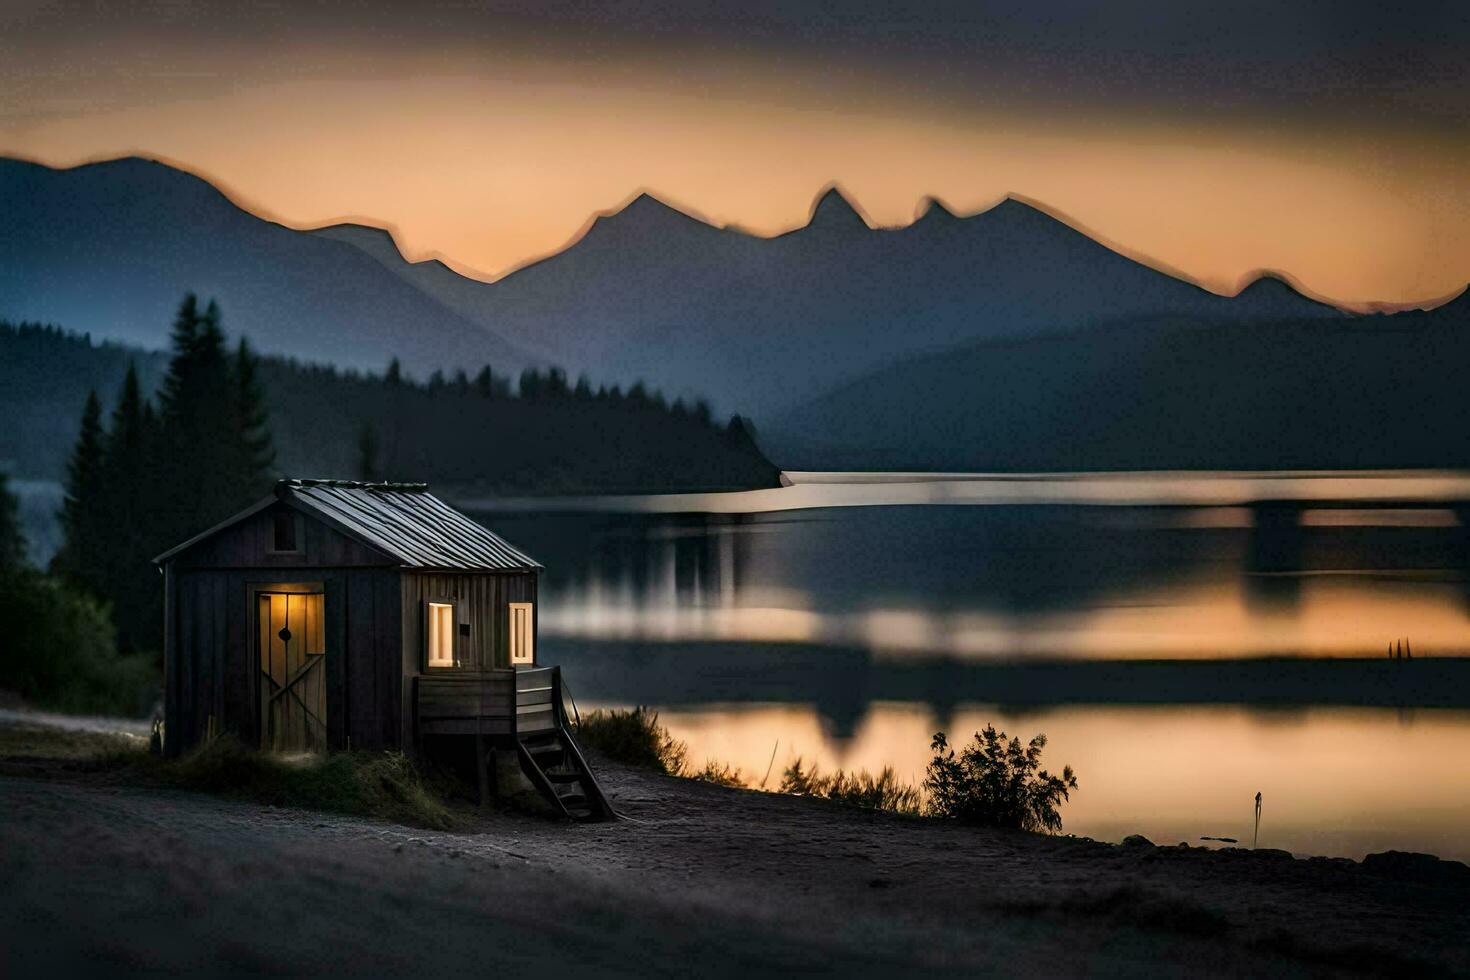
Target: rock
x=1422 y=868
x=1344 y=864
x=1271 y=854
x=1137 y=840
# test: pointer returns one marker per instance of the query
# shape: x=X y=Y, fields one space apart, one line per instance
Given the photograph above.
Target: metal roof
x=402 y=520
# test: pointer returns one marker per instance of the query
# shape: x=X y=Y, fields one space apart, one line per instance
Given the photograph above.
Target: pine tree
x=250 y=444
x=82 y=534
x=197 y=419
x=129 y=508
x=12 y=542
x=485 y=382
x=394 y=376
x=369 y=468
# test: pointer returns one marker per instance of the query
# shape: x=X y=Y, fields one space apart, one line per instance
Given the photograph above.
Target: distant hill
x=450 y=434
x=1162 y=393
x=780 y=329
x=109 y=248
x=762 y=324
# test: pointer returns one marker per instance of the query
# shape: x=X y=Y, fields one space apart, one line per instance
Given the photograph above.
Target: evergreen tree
x=82 y=533
x=12 y=541
x=394 y=375
x=198 y=420
x=128 y=510
x=530 y=387
x=250 y=445
x=485 y=382
x=369 y=468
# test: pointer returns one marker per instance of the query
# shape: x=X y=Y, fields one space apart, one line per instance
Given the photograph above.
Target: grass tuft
x=384 y=785
x=720 y=774
x=635 y=738
x=862 y=789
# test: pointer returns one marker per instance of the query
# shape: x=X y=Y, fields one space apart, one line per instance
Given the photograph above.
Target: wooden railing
x=538 y=700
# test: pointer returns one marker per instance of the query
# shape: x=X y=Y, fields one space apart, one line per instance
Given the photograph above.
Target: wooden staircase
x=549 y=755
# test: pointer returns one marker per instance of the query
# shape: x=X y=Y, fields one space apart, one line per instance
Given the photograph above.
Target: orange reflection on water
x=1341 y=782
x=1322 y=614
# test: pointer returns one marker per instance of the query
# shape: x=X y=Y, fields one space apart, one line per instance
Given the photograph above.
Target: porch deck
x=514 y=702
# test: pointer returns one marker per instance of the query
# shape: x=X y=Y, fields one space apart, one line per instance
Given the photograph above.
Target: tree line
x=222 y=422
x=160 y=470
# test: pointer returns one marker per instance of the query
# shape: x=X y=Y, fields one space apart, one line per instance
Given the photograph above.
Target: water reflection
x=1169 y=773
x=845 y=620
x=1273 y=578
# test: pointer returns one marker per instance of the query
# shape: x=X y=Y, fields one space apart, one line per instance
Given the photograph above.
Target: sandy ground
x=697 y=880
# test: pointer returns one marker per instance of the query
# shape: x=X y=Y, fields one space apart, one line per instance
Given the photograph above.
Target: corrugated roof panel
x=408 y=522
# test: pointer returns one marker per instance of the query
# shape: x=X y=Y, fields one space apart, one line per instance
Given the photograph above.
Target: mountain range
x=821 y=334
x=761 y=324
x=1370 y=392
x=110 y=248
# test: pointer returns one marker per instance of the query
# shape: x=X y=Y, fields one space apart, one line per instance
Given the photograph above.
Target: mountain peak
x=833 y=211
x=932 y=211
x=1267 y=282
x=644 y=214
x=1457 y=306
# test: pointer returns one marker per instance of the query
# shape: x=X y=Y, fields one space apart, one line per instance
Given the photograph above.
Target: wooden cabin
x=335 y=615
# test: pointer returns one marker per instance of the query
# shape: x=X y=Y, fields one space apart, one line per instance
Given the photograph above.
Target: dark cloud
x=1342 y=61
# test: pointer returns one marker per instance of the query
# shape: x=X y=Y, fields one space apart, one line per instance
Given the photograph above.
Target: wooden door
x=293 y=676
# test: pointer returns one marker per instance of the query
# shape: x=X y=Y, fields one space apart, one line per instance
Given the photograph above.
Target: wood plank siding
x=213 y=664
x=482 y=602
x=466 y=703
x=355 y=544
x=211 y=660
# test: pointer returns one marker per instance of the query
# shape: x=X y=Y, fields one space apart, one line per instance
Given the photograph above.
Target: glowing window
x=522 y=634
x=441 y=634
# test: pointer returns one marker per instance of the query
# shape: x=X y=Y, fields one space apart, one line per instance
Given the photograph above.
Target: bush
x=60 y=652
x=720 y=774
x=883 y=792
x=634 y=737
x=994 y=782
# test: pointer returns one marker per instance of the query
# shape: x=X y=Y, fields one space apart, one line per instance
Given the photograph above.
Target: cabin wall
x=212 y=663
x=484 y=597
x=249 y=545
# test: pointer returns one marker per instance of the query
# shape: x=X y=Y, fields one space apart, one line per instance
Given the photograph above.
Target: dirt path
x=698 y=880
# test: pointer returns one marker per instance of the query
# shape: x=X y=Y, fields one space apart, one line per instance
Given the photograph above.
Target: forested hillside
x=1361 y=392
x=537 y=434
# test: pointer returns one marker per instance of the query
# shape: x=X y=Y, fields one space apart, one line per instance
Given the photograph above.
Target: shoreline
x=697 y=673
x=695 y=878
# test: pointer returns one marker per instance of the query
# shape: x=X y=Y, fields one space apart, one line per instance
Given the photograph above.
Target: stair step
x=564 y=777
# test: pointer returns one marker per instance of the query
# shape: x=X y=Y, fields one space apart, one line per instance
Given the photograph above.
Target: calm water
x=808 y=621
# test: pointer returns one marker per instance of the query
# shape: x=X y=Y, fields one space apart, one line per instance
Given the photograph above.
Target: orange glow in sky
x=493 y=159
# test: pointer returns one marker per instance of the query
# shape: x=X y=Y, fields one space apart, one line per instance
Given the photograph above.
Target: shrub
x=720 y=774
x=634 y=737
x=995 y=782
x=60 y=652
x=883 y=792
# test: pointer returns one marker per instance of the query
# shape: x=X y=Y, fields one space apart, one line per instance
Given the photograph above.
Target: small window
x=441 y=634
x=522 y=633
x=284 y=536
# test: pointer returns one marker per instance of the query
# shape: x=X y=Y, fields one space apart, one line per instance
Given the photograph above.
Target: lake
x=845 y=618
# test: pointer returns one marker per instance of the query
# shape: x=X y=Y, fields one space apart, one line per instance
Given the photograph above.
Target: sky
x=1329 y=141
